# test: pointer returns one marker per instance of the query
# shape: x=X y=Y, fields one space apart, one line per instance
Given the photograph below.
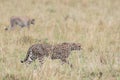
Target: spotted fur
x=37 y=51
x=58 y=51
x=62 y=51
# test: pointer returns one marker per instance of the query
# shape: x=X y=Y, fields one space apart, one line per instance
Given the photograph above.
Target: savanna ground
x=93 y=23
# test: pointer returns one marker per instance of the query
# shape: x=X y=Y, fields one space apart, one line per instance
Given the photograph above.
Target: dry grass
x=93 y=23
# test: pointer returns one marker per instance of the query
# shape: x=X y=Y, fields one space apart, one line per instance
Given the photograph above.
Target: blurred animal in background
x=58 y=51
x=20 y=21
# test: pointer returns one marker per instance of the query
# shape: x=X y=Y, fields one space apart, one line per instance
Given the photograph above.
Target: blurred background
x=93 y=23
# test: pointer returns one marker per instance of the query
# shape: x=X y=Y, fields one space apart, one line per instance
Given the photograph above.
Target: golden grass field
x=93 y=23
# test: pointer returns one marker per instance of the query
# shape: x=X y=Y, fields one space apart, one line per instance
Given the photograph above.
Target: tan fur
x=20 y=21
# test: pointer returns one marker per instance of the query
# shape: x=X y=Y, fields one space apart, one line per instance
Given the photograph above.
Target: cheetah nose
x=21 y=61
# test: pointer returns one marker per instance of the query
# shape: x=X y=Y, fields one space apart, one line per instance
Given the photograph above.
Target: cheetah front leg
x=41 y=60
x=66 y=61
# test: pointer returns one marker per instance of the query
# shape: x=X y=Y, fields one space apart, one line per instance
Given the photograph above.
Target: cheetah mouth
x=26 y=62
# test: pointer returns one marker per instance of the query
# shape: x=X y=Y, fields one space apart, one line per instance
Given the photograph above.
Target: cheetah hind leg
x=66 y=61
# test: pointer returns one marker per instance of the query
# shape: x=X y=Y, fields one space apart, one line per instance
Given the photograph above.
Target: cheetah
x=20 y=21
x=58 y=51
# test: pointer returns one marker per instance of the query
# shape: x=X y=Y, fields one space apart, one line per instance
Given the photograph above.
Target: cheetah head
x=75 y=46
x=29 y=58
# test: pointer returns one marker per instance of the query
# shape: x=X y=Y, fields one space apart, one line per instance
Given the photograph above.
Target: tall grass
x=94 y=24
